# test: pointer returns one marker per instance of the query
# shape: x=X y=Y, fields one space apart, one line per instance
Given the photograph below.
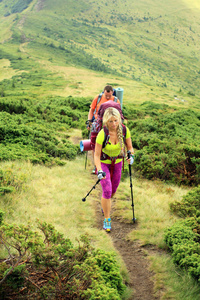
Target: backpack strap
x=104 y=156
x=106 y=136
x=124 y=133
x=98 y=100
x=124 y=138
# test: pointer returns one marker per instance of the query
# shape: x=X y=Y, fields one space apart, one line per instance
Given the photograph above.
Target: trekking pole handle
x=129 y=154
x=88 y=122
x=131 y=157
x=101 y=174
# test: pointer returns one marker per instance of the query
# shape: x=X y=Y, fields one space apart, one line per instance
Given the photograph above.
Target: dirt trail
x=133 y=256
x=132 y=253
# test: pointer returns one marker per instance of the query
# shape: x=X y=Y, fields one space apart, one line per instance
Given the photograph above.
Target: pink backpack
x=97 y=124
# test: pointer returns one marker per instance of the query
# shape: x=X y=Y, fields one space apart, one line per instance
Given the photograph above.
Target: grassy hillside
x=150 y=43
x=55 y=56
x=64 y=49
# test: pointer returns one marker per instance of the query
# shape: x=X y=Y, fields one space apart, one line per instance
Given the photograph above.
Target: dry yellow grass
x=151 y=203
x=6 y=25
x=54 y=195
x=193 y=4
x=6 y=72
x=87 y=83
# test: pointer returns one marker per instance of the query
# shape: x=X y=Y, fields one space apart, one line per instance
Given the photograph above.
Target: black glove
x=101 y=174
x=88 y=124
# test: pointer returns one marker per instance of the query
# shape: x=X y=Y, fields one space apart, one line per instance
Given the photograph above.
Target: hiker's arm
x=90 y=114
x=97 y=155
x=92 y=108
x=129 y=145
x=90 y=117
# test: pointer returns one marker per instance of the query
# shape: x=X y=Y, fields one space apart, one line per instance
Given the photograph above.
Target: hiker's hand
x=88 y=124
x=130 y=158
x=101 y=175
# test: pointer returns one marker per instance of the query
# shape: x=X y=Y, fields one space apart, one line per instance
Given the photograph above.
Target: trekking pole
x=85 y=160
x=86 y=154
x=84 y=199
x=131 y=186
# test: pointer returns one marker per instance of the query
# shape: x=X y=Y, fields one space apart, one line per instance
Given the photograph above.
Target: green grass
x=151 y=49
x=154 y=44
x=151 y=205
x=54 y=195
x=177 y=284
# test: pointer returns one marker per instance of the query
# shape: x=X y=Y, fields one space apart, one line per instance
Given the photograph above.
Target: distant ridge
x=153 y=42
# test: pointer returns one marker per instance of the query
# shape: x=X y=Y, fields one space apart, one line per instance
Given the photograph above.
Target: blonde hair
x=113 y=112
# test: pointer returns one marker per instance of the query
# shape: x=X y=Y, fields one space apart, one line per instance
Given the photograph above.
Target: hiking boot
x=94 y=170
x=107 y=224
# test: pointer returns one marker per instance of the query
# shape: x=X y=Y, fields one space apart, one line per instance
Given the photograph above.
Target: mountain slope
x=152 y=42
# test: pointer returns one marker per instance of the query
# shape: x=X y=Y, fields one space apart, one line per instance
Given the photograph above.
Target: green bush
x=167 y=142
x=168 y=145
x=189 y=206
x=45 y=265
x=183 y=240
x=1 y=216
x=20 y=5
x=11 y=180
x=17 y=107
x=32 y=131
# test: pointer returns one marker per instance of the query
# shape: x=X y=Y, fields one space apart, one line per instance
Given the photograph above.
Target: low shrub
x=183 y=240
x=33 y=132
x=11 y=180
x=20 y=5
x=168 y=145
x=189 y=206
x=45 y=265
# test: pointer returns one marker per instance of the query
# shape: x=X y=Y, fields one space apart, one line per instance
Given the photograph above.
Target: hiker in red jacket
x=96 y=103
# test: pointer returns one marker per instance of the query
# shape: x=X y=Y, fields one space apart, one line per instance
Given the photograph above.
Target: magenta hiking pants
x=109 y=186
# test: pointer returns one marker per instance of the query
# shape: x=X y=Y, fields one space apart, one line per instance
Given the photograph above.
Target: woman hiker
x=108 y=159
